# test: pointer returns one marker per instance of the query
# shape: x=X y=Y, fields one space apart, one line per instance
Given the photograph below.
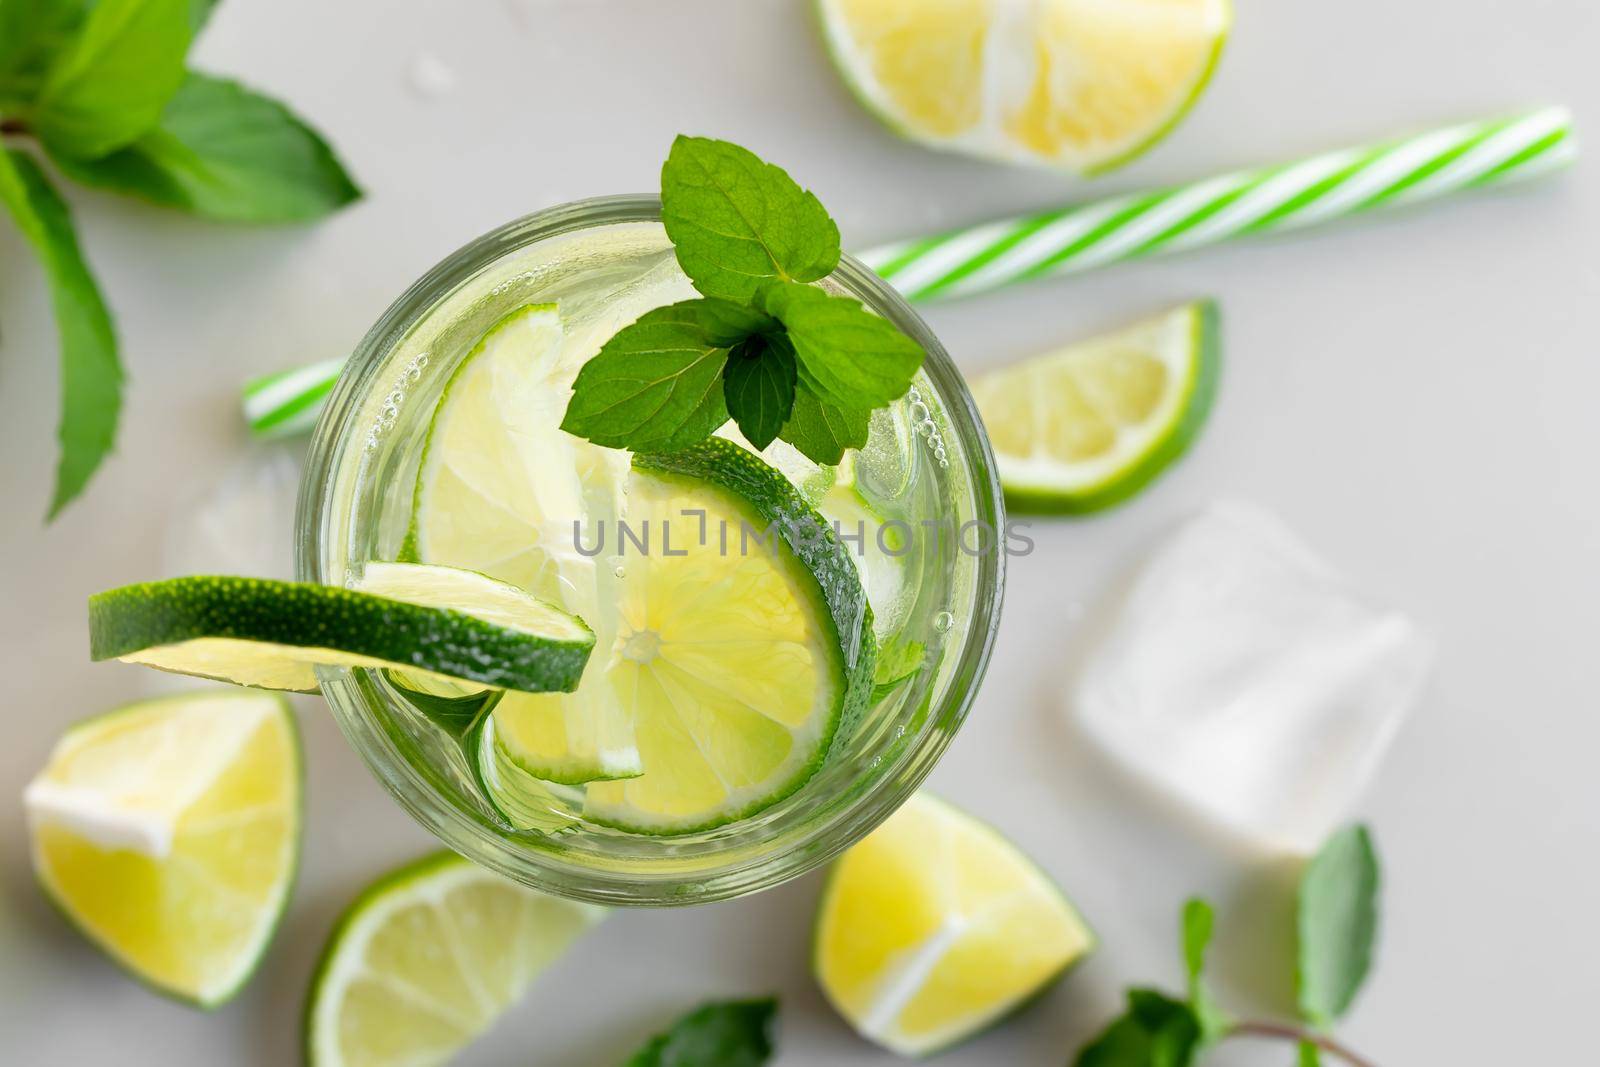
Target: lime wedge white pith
x=167 y=831
x=739 y=653
x=273 y=635
x=1079 y=84
x=934 y=926
x=1089 y=425
x=427 y=959
x=499 y=490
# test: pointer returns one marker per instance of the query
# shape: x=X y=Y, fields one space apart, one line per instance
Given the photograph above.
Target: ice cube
x=1247 y=679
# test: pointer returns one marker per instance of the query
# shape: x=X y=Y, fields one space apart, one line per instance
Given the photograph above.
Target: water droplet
x=620 y=571
x=943 y=621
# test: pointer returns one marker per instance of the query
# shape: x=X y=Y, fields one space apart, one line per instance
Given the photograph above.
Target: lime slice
x=1079 y=84
x=1088 y=426
x=271 y=634
x=935 y=926
x=167 y=832
x=427 y=959
x=499 y=489
x=739 y=654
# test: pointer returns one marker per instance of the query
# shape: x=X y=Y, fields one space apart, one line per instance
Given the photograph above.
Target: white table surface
x=1416 y=396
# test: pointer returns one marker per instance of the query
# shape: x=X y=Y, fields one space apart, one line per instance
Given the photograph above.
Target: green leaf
x=110 y=83
x=1337 y=924
x=91 y=376
x=822 y=430
x=737 y=222
x=1309 y=1055
x=898 y=660
x=847 y=355
x=228 y=153
x=32 y=34
x=200 y=13
x=1199 y=920
x=727 y=323
x=727 y=1034
x=655 y=387
x=758 y=383
x=1156 y=1031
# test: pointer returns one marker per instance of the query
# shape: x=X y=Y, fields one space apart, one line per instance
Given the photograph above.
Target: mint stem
x=1281 y=1032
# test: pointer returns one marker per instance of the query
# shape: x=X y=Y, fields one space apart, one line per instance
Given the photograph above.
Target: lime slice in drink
x=1079 y=84
x=167 y=832
x=499 y=490
x=934 y=926
x=1088 y=426
x=427 y=959
x=271 y=634
x=740 y=653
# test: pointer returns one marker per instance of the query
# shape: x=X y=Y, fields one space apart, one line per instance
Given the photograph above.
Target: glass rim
x=812 y=844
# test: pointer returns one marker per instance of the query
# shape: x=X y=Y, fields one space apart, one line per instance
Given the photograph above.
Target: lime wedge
x=1088 y=426
x=499 y=489
x=167 y=832
x=739 y=654
x=934 y=926
x=427 y=959
x=1079 y=84
x=425 y=620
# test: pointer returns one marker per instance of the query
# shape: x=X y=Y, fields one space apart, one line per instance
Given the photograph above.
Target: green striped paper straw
x=290 y=401
x=963 y=262
x=1427 y=166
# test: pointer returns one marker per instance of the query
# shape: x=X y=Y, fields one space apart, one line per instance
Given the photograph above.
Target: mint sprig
x=790 y=360
x=1337 y=924
x=738 y=222
x=103 y=90
x=734 y=1033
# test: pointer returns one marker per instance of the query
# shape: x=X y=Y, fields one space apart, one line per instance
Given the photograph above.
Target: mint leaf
x=737 y=222
x=109 y=83
x=897 y=661
x=655 y=387
x=822 y=430
x=1198 y=922
x=847 y=355
x=758 y=383
x=727 y=323
x=200 y=13
x=1309 y=1055
x=32 y=34
x=728 y=1034
x=1156 y=1031
x=1337 y=924
x=91 y=376
x=225 y=152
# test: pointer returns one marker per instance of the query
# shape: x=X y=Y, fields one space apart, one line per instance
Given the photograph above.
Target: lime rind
x=272 y=635
x=819 y=566
x=974 y=1026
x=427 y=880
x=1189 y=410
x=271 y=919
x=988 y=142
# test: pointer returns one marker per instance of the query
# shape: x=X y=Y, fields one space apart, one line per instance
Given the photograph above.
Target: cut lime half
x=745 y=642
x=934 y=926
x=1091 y=424
x=167 y=831
x=1078 y=84
x=427 y=959
x=503 y=490
x=273 y=635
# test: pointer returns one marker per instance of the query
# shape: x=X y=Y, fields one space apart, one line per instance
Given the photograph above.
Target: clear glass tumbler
x=354 y=507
